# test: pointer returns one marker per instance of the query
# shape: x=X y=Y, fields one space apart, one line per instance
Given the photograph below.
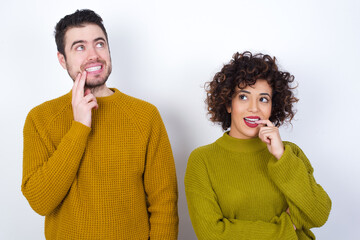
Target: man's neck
x=101 y=91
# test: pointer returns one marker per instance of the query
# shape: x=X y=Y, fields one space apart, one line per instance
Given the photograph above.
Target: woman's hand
x=288 y=212
x=270 y=135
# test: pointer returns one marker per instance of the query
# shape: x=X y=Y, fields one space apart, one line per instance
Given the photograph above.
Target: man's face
x=86 y=49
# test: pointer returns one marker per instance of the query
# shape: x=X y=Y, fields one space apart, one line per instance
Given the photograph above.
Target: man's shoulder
x=138 y=108
x=51 y=107
x=134 y=101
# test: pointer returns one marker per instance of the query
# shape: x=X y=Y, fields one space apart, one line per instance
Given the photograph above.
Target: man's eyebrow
x=76 y=42
x=99 y=38
x=82 y=41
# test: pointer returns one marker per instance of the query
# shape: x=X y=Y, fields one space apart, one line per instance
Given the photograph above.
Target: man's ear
x=61 y=59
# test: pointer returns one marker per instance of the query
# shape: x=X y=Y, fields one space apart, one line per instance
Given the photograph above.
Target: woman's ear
x=228 y=109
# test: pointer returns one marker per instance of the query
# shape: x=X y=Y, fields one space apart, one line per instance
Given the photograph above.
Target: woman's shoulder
x=203 y=149
x=203 y=152
x=294 y=147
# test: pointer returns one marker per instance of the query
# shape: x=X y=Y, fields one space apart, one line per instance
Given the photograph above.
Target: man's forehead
x=85 y=32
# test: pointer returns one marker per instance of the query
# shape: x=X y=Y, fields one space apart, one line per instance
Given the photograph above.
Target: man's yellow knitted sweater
x=115 y=180
x=237 y=190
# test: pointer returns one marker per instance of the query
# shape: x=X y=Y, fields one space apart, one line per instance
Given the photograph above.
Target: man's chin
x=97 y=80
x=95 y=83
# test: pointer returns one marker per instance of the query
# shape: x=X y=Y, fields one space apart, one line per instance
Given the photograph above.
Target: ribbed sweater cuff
x=78 y=132
x=284 y=165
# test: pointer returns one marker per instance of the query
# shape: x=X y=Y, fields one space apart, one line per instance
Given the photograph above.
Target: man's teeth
x=92 y=69
x=252 y=119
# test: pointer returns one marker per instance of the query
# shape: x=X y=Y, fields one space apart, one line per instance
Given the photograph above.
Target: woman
x=249 y=184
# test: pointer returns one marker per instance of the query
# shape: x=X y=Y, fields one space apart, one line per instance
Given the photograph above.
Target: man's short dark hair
x=77 y=19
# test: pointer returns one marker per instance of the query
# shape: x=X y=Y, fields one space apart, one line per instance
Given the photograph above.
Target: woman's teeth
x=92 y=69
x=252 y=120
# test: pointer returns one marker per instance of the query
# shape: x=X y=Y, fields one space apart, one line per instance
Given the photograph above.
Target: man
x=97 y=163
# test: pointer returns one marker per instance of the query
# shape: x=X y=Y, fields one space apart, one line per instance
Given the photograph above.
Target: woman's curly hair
x=243 y=70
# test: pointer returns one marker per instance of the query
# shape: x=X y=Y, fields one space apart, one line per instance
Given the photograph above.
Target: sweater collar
x=241 y=145
x=110 y=98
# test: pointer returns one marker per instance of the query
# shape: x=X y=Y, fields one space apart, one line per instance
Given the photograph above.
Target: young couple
x=98 y=163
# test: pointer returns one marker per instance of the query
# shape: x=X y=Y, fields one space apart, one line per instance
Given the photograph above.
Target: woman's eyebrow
x=245 y=91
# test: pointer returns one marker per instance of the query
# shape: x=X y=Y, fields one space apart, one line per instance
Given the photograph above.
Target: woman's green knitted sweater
x=236 y=189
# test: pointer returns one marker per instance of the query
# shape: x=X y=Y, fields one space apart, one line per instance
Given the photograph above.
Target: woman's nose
x=253 y=106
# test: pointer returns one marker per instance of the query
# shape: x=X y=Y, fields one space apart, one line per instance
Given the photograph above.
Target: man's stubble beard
x=95 y=81
x=98 y=83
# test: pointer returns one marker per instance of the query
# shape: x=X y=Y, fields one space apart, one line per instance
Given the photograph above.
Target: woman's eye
x=264 y=100
x=243 y=97
x=80 y=48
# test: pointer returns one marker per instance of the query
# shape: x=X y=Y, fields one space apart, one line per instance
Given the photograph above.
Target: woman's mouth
x=251 y=121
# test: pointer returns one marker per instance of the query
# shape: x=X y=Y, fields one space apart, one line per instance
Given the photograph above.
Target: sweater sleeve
x=160 y=183
x=47 y=174
x=208 y=220
x=309 y=204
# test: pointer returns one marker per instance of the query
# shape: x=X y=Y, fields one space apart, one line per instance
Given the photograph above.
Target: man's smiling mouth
x=93 y=69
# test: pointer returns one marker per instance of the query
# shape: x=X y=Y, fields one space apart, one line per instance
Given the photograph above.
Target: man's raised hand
x=82 y=101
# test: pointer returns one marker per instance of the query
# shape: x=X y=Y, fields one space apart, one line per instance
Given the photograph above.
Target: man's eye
x=264 y=100
x=80 y=48
x=100 y=45
x=243 y=97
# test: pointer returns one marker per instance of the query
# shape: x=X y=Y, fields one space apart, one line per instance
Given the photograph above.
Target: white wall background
x=163 y=51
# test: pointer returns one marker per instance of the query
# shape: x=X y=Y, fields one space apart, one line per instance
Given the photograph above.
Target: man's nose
x=92 y=54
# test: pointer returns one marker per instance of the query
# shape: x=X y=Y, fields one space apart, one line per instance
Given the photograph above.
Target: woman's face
x=248 y=105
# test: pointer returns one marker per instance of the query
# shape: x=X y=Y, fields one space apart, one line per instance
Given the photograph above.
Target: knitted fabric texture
x=115 y=180
x=236 y=189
